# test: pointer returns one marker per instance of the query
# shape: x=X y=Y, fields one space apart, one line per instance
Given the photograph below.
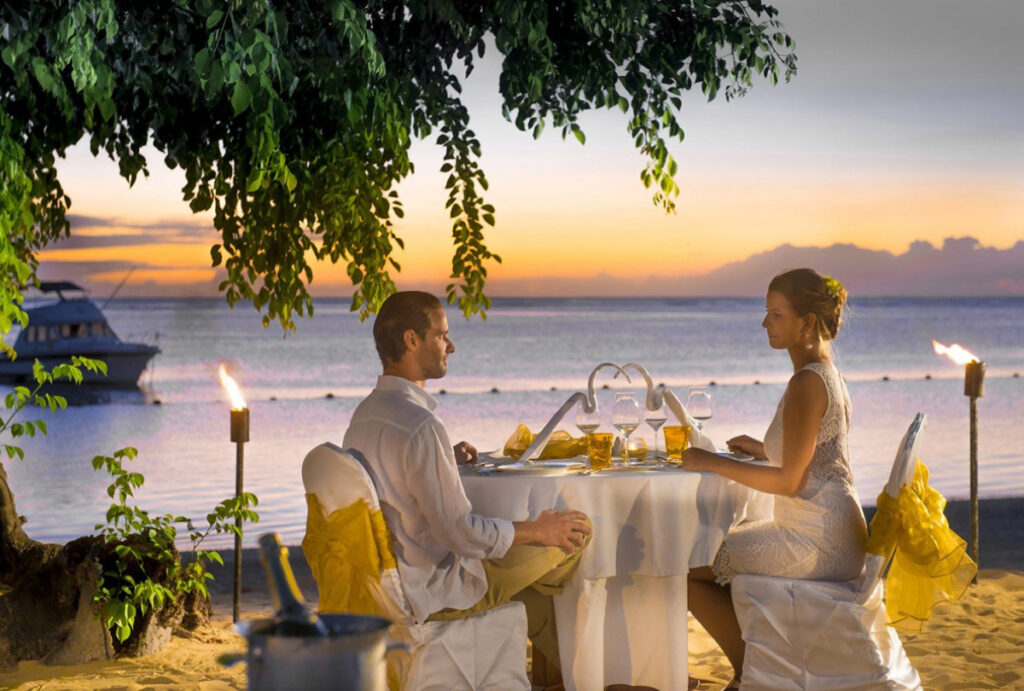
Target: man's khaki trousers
x=531 y=575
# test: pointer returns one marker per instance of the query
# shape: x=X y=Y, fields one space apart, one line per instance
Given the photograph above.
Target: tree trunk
x=42 y=586
x=18 y=551
x=46 y=609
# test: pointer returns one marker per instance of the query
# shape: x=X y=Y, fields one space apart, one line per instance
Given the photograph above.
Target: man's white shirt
x=439 y=543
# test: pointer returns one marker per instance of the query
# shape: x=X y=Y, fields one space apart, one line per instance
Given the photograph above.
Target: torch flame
x=956 y=352
x=237 y=402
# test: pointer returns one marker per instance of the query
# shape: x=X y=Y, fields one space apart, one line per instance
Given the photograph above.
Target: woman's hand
x=699 y=460
x=747 y=445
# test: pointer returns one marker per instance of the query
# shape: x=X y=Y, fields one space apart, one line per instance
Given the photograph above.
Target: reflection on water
x=93 y=394
x=189 y=462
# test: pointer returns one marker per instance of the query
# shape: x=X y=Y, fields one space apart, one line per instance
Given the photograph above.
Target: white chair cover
x=485 y=651
x=823 y=635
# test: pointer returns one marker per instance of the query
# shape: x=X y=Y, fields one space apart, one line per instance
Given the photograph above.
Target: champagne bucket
x=351 y=657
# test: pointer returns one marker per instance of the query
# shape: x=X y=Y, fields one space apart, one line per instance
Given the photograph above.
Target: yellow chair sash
x=930 y=562
x=560 y=445
x=346 y=552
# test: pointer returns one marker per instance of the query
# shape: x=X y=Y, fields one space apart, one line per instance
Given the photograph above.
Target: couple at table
x=455 y=563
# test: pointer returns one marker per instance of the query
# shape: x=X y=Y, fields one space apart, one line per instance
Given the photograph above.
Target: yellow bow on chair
x=346 y=552
x=930 y=562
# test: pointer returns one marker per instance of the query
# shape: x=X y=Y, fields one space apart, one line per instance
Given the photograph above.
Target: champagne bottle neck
x=291 y=617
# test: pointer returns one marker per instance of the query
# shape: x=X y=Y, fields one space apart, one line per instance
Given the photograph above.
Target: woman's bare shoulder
x=808 y=386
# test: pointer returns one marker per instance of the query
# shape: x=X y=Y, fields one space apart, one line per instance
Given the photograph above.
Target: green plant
x=16 y=400
x=146 y=571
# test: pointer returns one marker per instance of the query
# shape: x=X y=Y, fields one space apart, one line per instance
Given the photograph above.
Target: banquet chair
x=826 y=635
x=349 y=552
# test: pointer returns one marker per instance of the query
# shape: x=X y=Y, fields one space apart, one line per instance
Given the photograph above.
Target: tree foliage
x=292 y=120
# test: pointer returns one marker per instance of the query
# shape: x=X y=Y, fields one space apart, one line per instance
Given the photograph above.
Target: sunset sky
x=902 y=124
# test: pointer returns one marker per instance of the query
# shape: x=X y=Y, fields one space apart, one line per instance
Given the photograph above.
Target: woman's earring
x=808 y=345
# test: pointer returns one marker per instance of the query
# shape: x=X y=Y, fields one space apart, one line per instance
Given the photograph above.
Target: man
x=453 y=563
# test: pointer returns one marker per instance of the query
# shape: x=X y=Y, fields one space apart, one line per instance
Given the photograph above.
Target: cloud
x=79 y=221
x=961 y=267
x=80 y=271
x=173 y=230
x=101 y=277
x=77 y=242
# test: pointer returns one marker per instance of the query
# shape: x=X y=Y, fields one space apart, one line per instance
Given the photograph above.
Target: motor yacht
x=73 y=325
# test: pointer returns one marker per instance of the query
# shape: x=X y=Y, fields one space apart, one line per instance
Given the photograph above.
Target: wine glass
x=698 y=404
x=588 y=422
x=626 y=418
x=655 y=419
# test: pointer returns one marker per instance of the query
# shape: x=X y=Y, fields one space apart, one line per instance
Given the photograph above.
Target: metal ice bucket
x=351 y=657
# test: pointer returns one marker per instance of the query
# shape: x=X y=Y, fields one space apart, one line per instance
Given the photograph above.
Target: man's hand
x=568 y=530
x=465 y=452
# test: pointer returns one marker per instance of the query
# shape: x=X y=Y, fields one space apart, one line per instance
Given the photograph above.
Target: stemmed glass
x=698 y=404
x=588 y=422
x=655 y=419
x=626 y=418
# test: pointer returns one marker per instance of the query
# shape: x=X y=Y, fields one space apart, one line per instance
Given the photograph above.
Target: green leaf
x=44 y=74
x=202 y=62
x=10 y=57
x=241 y=97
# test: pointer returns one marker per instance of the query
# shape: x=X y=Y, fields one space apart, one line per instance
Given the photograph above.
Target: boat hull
x=124 y=365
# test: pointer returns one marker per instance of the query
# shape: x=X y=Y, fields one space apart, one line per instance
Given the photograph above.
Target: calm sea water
x=302 y=388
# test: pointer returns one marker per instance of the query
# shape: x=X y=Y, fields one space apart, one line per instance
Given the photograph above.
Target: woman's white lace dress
x=818 y=534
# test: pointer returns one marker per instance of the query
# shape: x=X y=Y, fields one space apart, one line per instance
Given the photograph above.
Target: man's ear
x=411 y=339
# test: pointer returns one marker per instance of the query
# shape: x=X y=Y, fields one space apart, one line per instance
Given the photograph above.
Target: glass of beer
x=599 y=450
x=677 y=440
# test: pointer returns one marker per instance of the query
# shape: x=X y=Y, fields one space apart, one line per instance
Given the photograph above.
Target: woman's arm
x=748 y=445
x=806 y=402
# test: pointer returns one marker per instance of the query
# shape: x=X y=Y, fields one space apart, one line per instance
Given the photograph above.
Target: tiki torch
x=974 y=388
x=239 y=435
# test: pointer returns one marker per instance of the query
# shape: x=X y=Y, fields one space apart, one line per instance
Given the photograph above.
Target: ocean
x=518 y=366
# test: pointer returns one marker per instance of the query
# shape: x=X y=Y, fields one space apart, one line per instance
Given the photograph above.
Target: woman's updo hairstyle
x=811 y=293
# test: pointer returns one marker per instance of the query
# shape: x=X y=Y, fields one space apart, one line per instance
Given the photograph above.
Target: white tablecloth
x=622 y=619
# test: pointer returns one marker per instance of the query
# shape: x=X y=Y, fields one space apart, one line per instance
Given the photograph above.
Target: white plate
x=495 y=458
x=639 y=468
x=735 y=456
x=558 y=467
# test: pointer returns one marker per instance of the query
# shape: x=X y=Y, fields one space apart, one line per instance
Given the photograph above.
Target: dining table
x=622 y=618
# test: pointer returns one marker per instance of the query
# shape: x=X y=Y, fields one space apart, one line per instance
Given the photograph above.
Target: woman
x=818 y=530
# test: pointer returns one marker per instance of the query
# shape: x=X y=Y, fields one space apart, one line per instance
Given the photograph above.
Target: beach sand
x=973 y=643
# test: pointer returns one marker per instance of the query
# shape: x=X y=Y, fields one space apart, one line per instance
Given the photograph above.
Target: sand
x=970 y=644
x=974 y=643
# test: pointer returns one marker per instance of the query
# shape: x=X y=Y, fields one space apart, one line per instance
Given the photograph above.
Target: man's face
x=432 y=355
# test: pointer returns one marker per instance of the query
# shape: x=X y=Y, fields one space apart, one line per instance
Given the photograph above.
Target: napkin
x=560 y=445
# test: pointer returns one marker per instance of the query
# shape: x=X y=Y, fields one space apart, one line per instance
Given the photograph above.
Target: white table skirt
x=622 y=619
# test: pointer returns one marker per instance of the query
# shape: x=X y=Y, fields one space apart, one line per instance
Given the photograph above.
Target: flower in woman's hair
x=833 y=287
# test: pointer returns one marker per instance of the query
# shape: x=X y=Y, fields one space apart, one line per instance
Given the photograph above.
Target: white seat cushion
x=485 y=651
x=818 y=635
